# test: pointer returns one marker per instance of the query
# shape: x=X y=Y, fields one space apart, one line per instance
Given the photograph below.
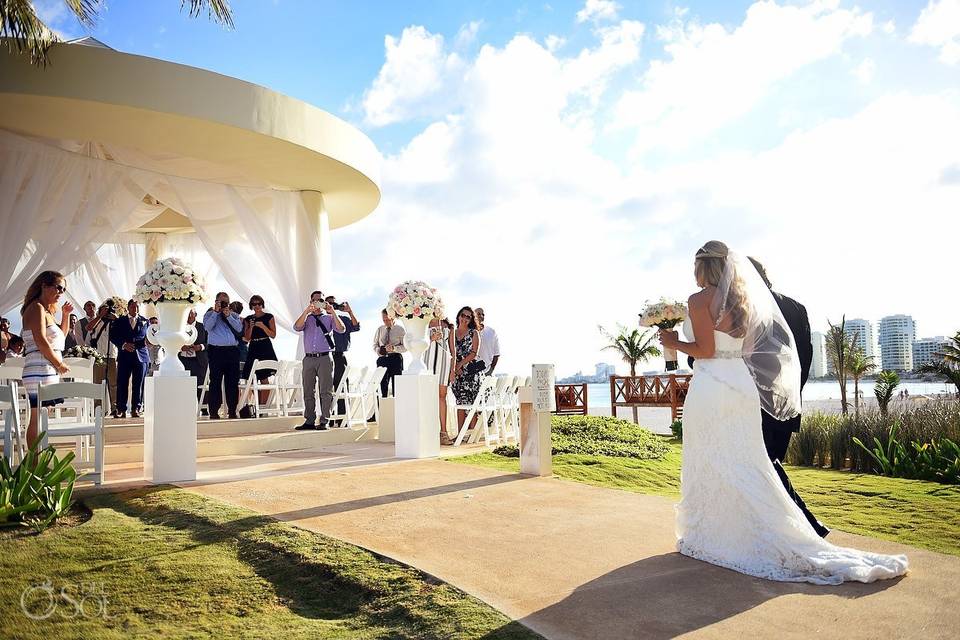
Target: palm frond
x=216 y=10
x=86 y=11
x=24 y=31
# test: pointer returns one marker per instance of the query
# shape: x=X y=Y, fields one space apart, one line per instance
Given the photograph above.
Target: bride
x=734 y=511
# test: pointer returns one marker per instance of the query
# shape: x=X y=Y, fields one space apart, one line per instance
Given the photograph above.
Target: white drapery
x=73 y=213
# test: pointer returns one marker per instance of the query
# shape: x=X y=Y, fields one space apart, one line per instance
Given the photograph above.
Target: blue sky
x=609 y=140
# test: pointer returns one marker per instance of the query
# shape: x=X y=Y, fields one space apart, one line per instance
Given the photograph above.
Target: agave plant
x=38 y=491
x=886 y=384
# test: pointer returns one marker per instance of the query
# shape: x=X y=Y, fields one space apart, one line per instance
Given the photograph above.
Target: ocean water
x=598 y=395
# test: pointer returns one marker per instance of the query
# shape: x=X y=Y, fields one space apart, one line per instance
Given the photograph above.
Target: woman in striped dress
x=43 y=338
x=439 y=360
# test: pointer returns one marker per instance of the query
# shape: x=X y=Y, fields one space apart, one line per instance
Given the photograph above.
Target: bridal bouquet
x=80 y=351
x=665 y=314
x=170 y=280
x=415 y=299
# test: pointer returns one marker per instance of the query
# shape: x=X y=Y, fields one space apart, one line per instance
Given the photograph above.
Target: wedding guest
x=194 y=355
x=388 y=345
x=43 y=339
x=98 y=337
x=489 y=343
x=341 y=342
x=439 y=358
x=259 y=329
x=237 y=307
x=154 y=350
x=70 y=340
x=466 y=378
x=317 y=322
x=90 y=312
x=4 y=338
x=15 y=346
x=224 y=331
x=129 y=335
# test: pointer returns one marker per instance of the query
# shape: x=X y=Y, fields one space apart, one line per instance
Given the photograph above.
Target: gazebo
x=109 y=161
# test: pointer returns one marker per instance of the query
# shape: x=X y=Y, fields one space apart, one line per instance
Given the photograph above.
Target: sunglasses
x=256 y=304
x=463 y=315
x=59 y=287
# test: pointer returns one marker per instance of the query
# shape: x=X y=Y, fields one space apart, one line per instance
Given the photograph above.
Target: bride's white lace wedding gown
x=734 y=512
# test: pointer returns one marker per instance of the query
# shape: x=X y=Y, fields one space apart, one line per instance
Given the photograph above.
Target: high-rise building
x=605 y=370
x=863 y=330
x=897 y=334
x=925 y=350
x=818 y=367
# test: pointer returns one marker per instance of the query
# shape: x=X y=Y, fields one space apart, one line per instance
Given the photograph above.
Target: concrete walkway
x=574 y=561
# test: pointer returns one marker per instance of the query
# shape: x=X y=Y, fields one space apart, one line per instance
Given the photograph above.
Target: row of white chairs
x=494 y=414
x=359 y=391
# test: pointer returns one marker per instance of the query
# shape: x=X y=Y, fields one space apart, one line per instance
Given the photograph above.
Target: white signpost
x=536 y=403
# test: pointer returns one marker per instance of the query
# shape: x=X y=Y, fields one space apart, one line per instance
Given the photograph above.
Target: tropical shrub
x=676 y=427
x=938 y=461
x=38 y=491
x=599 y=436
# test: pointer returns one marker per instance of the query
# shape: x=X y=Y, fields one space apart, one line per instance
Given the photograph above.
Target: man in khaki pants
x=98 y=337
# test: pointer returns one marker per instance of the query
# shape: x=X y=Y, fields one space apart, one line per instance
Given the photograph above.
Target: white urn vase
x=414 y=331
x=171 y=333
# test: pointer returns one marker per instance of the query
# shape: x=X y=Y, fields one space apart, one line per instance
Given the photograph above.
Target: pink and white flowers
x=415 y=299
x=665 y=314
x=170 y=280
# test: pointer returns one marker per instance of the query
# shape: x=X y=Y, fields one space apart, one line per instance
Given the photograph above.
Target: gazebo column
x=318 y=221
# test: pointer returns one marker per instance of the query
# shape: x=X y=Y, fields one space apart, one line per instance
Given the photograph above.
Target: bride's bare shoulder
x=701 y=298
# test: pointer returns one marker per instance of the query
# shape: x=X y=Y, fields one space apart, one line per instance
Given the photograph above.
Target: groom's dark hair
x=761 y=271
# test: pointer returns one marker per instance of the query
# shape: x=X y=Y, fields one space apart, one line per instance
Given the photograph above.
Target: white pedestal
x=170 y=429
x=417 y=432
x=388 y=417
x=535 y=442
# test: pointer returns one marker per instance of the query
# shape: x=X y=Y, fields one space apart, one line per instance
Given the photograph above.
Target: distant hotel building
x=924 y=350
x=604 y=370
x=863 y=329
x=897 y=334
x=818 y=367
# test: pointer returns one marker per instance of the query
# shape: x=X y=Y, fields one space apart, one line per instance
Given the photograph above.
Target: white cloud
x=714 y=75
x=416 y=71
x=939 y=26
x=889 y=27
x=865 y=71
x=597 y=10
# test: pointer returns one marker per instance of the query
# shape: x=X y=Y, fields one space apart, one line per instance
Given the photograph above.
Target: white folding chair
x=204 y=388
x=370 y=395
x=343 y=394
x=508 y=408
x=476 y=409
x=14 y=437
x=253 y=387
x=79 y=430
x=291 y=386
x=81 y=370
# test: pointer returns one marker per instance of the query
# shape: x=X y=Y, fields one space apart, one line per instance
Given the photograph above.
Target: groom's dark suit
x=776 y=433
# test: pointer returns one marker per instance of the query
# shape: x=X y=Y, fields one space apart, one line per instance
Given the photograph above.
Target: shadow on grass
x=668 y=595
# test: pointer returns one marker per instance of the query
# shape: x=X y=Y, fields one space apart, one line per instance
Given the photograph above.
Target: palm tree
x=858 y=366
x=27 y=32
x=840 y=346
x=951 y=352
x=887 y=382
x=948 y=365
x=633 y=346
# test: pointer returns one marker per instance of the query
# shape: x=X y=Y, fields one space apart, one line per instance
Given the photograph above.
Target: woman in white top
x=439 y=360
x=43 y=338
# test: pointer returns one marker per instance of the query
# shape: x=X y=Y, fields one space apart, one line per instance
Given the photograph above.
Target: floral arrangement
x=116 y=304
x=665 y=314
x=415 y=299
x=170 y=280
x=80 y=351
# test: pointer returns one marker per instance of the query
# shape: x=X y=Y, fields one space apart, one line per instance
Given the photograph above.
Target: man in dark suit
x=194 y=355
x=776 y=433
x=129 y=334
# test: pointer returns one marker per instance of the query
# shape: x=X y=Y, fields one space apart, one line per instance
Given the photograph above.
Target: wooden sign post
x=536 y=403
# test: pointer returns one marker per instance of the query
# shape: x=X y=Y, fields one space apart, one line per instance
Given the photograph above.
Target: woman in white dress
x=439 y=360
x=43 y=339
x=734 y=511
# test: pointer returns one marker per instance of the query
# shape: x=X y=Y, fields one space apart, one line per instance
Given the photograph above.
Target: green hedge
x=600 y=436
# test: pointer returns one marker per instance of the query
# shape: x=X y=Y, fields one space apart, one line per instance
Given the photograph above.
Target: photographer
x=224 y=330
x=341 y=342
x=317 y=322
x=98 y=337
x=388 y=344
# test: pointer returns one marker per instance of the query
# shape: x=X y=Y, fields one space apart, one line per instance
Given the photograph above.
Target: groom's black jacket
x=796 y=316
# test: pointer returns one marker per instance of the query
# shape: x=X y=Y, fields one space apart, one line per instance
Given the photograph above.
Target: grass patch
x=915 y=512
x=174 y=564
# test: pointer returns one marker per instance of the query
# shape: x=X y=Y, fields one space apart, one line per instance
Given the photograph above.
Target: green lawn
x=914 y=512
x=173 y=564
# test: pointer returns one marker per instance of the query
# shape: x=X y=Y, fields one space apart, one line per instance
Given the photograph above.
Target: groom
x=776 y=433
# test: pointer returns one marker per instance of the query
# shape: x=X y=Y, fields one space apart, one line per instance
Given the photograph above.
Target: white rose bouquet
x=415 y=299
x=171 y=280
x=665 y=314
x=80 y=351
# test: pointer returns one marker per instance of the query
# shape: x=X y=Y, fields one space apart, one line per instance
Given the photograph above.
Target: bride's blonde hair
x=709 y=265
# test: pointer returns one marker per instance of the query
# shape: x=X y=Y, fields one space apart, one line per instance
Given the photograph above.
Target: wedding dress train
x=734 y=511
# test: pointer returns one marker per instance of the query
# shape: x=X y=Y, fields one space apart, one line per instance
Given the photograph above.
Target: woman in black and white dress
x=439 y=360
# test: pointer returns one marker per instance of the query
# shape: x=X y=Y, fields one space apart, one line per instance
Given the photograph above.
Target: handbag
x=475 y=366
